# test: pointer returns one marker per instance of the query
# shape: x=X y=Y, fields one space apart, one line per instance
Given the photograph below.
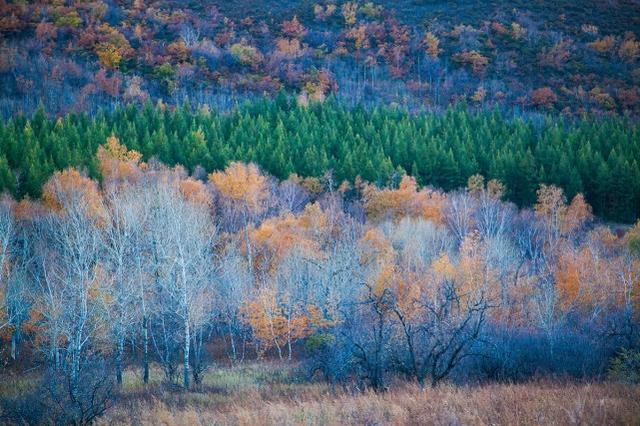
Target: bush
x=543 y=97
x=626 y=367
x=54 y=401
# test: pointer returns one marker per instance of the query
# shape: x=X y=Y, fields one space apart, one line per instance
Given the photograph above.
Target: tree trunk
x=249 y=255
x=145 y=346
x=187 y=345
x=289 y=337
x=119 y=359
x=75 y=367
x=14 y=343
x=56 y=354
x=233 y=344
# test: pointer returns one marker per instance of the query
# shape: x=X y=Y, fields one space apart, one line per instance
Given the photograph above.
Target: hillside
x=319 y=212
x=562 y=56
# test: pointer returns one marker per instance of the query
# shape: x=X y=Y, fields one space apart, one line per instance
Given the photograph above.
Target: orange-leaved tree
x=406 y=201
x=245 y=192
x=275 y=322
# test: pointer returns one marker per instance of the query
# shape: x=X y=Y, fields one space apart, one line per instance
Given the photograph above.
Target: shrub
x=544 y=97
x=55 y=401
x=626 y=367
x=557 y=56
x=629 y=50
x=603 y=99
x=166 y=74
x=633 y=240
x=474 y=58
x=603 y=45
x=70 y=19
x=245 y=54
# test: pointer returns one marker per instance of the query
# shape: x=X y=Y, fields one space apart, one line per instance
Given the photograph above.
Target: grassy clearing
x=269 y=394
x=14 y=385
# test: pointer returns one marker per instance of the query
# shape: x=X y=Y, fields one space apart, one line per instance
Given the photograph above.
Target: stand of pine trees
x=598 y=157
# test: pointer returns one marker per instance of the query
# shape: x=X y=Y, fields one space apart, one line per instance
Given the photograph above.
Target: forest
x=319 y=212
x=159 y=273
x=598 y=157
x=524 y=56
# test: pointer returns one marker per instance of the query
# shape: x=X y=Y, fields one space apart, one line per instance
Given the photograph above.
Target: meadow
x=272 y=393
x=268 y=394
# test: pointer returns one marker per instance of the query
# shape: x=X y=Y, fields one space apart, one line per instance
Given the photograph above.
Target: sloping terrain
x=567 y=56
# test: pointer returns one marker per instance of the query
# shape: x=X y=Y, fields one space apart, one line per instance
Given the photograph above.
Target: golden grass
x=265 y=394
x=13 y=385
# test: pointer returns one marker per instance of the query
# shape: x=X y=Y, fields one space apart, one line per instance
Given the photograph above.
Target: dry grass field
x=268 y=394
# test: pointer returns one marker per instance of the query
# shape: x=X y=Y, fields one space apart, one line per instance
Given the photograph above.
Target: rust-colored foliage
x=305 y=232
x=404 y=201
x=629 y=49
x=475 y=59
x=117 y=163
x=196 y=191
x=432 y=44
x=605 y=45
x=293 y=28
x=242 y=184
x=69 y=189
x=544 y=97
x=274 y=321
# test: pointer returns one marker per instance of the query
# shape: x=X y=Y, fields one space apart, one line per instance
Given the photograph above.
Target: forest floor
x=267 y=393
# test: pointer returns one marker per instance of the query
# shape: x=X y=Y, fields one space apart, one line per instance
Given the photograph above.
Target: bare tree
x=183 y=237
x=189 y=35
x=122 y=263
x=71 y=282
x=458 y=213
x=15 y=285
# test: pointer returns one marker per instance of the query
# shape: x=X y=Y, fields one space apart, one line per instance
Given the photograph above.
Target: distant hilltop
x=553 y=56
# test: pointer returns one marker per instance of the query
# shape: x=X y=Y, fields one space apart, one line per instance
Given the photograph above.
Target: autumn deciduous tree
x=406 y=200
x=432 y=44
x=629 y=49
x=276 y=237
x=543 y=97
x=424 y=313
x=117 y=163
x=182 y=243
x=244 y=185
x=275 y=321
x=605 y=45
x=560 y=220
x=517 y=31
x=246 y=190
x=122 y=271
x=293 y=28
x=359 y=36
x=454 y=309
x=475 y=59
x=349 y=13
x=245 y=53
x=556 y=56
x=112 y=48
x=322 y=13
x=633 y=240
x=289 y=47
